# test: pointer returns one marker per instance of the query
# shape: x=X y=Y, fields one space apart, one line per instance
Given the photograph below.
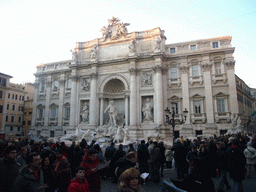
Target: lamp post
x=170 y=118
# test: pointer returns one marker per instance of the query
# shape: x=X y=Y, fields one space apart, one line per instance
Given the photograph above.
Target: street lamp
x=170 y=118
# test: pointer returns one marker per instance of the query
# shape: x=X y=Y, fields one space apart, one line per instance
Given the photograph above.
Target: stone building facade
x=128 y=79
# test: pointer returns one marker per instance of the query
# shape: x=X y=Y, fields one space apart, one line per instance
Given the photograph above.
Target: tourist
x=143 y=157
x=9 y=168
x=154 y=163
x=250 y=155
x=222 y=167
x=48 y=173
x=31 y=177
x=197 y=180
x=109 y=154
x=127 y=162
x=131 y=148
x=236 y=165
x=79 y=183
x=169 y=157
x=62 y=171
x=22 y=158
x=77 y=159
x=92 y=174
x=162 y=159
x=129 y=181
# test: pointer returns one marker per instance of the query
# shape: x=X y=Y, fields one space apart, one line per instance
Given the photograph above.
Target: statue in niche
x=147 y=79
x=94 y=52
x=105 y=32
x=85 y=85
x=234 y=118
x=157 y=43
x=112 y=112
x=132 y=47
x=85 y=113
x=147 y=110
x=74 y=55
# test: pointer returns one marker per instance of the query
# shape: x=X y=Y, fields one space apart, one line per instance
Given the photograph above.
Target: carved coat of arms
x=115 y=29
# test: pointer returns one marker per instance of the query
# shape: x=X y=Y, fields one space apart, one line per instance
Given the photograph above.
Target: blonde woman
x=129 y=181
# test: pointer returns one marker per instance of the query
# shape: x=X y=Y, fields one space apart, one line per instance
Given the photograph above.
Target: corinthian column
x=73 y=107
x=133 y=97
x=93 y=100
x=61 y=99
x=159 y=103
x=35 y=102
x=47 y=100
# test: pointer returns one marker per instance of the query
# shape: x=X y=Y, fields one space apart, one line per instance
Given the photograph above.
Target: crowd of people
x=28 y=166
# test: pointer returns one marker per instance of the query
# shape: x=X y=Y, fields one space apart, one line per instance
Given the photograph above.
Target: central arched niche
x=114 y=90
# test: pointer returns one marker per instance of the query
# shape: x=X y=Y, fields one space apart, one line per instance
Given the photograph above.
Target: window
x=195 y=72
x=3 y=82
x=67 y=112
x=11 y=128
x=30 y=112
x=19 y=119
x=16 y=97
x=215 y=45
x=192 y=47
x=42 y=86
x=12 y=118
x=56 y=66
x=69 y=83
x=53 y=113
x=6 y=118
x=55 y=85
x=218 y=68
x=9 y=95
x=7 y=106
x=40 y=113
x=27 y=98
x=13 y=107
x=24 y=123
x=13 y=96
x=1 y=108
x=221 y=105
x=254 y=94
x=29 y=122
x=20 y=98
x=44 y=68
x=1 y=94
x=199 y=132
x=174 y=72
x=173 y=50
x=51 y=133
x=197 y=105
x=18 y=128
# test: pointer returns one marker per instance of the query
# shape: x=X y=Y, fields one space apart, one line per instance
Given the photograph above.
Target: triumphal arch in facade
x=127 y=80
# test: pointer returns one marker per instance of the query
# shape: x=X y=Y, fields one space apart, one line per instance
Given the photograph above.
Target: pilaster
x=73 y=107
x=93 y=99
x=133 y=96
x=61 y=99
x=47 y=100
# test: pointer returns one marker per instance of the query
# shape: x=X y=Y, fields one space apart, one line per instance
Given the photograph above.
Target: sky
x=35 y=32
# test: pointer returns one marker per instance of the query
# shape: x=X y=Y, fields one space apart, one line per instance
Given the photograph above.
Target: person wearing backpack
x=250 y=155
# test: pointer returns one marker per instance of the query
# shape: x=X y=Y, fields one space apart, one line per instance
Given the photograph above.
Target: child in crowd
x=79 y=184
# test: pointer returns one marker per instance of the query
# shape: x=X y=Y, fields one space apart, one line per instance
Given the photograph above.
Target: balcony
x=39 y=121
x=65 y=121
x=174 y=81
x=222 y=117
x=53 y=121
x=219 y=77
x=198 y=118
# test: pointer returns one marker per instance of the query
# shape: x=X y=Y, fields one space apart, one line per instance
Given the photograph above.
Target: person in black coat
x=162 y=157
x=48 y=173
x=236 y=164
x=143 y=157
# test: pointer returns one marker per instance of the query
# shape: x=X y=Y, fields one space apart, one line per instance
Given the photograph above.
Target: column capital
x=184 y=69
x=230 y=64
x=157 y=68
x=206 y=67
x=133 y=71
x=94 y=75
x=75 y=77
x=48 y=83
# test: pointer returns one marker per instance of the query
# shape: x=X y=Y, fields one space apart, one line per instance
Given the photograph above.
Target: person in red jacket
x=79 y=183
x=90 y=163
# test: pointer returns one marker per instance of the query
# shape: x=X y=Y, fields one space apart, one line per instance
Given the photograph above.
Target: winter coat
x=109 y=153
x=49 y=179
x=26 y=182
x=93 y=178
x=162 y=154
x=154 y=157
x=180 y=154
x=169 y=155
x=191 y=155
x=221 y=161
x=77 y=185
x=9 y=172
x=142 y=154
x=22 y=160
x=250 y=152
x=63 y=174
x=122 y=165
x=236 y=163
